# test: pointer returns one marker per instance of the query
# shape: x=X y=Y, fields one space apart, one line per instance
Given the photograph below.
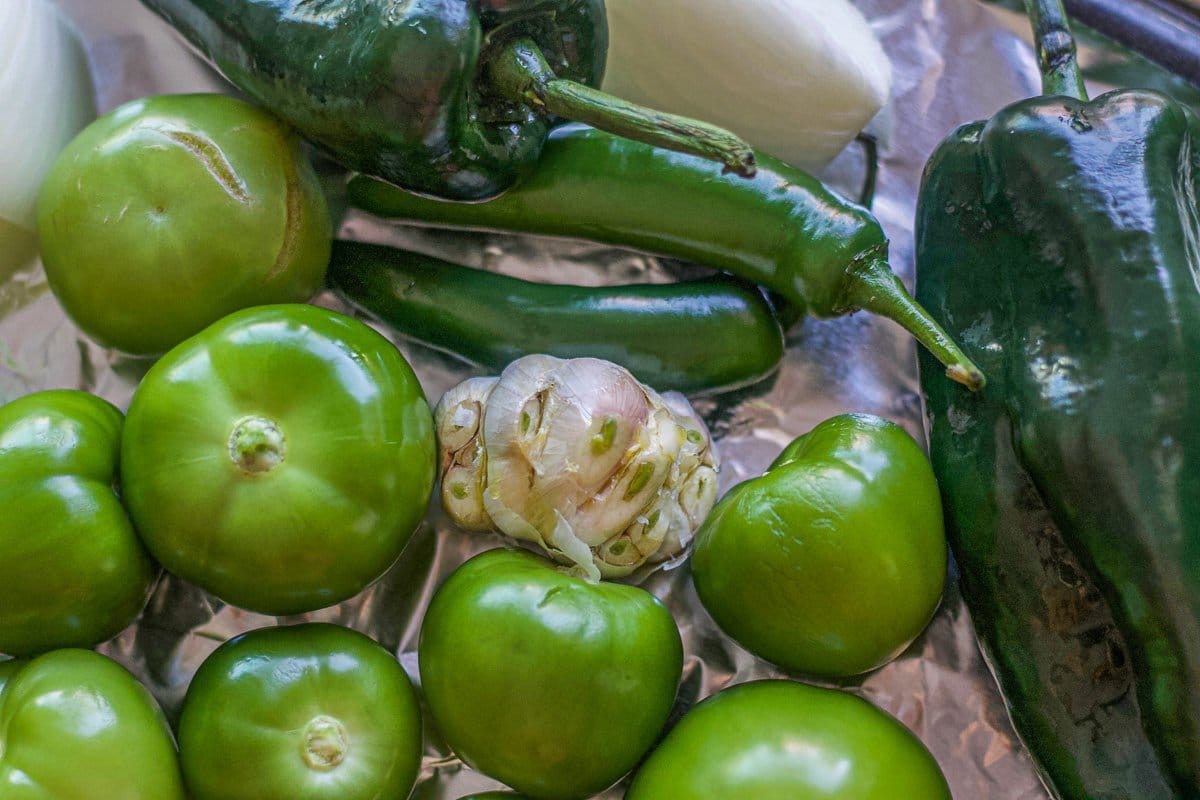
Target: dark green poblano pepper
x=448 y=98
x=1060 y=243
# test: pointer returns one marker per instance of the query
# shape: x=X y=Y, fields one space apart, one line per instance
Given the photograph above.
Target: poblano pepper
x=1060 y=242
x=450 y=98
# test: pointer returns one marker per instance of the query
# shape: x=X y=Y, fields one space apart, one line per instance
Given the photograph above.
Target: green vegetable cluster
x=280 y=456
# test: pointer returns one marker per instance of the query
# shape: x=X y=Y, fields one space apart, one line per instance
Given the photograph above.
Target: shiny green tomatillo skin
x=545 y=682
x=280 y=459
x=782 y=229
x=76 y=726
x=1059 y=241
x=315 y=711
x=170 y=212
x=8 y=668
x=696 y=336
x=73 y=573
x=394 y=89
x=832 y=562
x=779 y=740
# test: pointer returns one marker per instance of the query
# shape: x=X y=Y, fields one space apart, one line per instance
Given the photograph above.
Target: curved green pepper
x=783 y=229
x=74 y=572
x=76 y=726
x=280 y=459
x=543 y=681
x=697 y=336
x=778 y=740
x=1059 y=240
x=314 y=711
x=833 y=561
x=450 y=98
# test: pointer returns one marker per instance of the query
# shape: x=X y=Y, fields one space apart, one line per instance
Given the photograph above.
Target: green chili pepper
x=694 y=336
x=783 y=230
x=450 y=98
x=1059 y=242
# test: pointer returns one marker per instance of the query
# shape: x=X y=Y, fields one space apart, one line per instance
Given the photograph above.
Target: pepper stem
x=324 y=743
x=1057 y=59
x=874 y=287
x=257 y=445
x=519 y=72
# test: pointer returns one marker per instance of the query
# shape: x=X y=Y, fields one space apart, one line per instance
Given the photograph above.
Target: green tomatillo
x=73 y=573
x=544 y=681
x=280 y=459
x=76 y=726
x=780 y=740
x=314 y=711
x=170 y=212
x=834 y=561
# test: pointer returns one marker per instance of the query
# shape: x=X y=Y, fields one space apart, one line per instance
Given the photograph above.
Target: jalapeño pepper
x=782 y=229
x=695 y=336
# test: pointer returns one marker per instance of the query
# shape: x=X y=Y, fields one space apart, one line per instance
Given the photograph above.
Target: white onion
x=798 y=79
x=47 y=98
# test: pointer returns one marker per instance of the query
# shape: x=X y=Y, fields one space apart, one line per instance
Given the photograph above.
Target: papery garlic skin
x=579 y=458
x=458 y=420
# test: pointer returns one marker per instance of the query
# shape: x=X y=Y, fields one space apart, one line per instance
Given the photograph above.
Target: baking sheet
x=955 y=61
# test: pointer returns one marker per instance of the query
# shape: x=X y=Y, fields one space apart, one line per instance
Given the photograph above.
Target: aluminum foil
x=955 y=60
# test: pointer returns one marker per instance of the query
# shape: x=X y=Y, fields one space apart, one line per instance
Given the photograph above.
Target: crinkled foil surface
x=955 y=60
